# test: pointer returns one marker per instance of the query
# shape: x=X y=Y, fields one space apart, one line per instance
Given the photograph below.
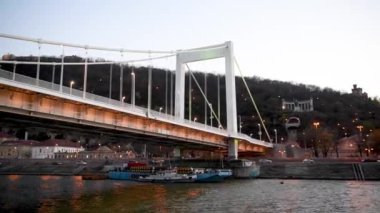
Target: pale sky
x=328 y=43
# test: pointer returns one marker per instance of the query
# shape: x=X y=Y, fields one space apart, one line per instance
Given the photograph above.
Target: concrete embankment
x=48 y=167
x=280 y=170
x=325 y=171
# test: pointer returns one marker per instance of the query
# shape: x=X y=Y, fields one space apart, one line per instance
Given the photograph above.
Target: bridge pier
x=26 y=135
x=233 y=145
x=176 y=152
x=52 y=135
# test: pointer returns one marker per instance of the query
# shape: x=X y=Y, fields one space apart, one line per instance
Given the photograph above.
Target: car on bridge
x=265 y=161
x=307 y=160
x=370 y=160
x=81 y=162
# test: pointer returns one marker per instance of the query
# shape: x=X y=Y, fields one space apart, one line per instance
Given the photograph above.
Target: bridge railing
x=5 y=74
x=71 y=92
x=253 y=140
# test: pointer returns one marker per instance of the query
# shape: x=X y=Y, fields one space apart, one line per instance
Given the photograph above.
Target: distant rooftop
x=21 y=143
x=59 y=142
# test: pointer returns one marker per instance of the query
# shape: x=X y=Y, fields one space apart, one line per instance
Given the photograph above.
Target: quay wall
x=323 y=171
x=275 y=170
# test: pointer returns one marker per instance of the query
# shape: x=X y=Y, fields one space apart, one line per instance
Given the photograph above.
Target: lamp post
x=360 y=127
x=211 y=114
x=16 y=153
x=133 y=92
x=361 y=143
x=304 y=141
x=259 y=131
x=195 y=119
x=240 y=124
x=368 y=151
x=71 y=86
x=161 y=108
x=275 y=135
x=316 y=124
x=123 y=100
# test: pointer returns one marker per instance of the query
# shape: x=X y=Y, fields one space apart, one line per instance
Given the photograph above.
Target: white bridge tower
x=206 y=53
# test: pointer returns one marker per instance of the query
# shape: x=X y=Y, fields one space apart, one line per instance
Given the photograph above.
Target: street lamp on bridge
x=133 y=88
x=240 y=124
x=275 y=135
x=259 y=131
x=123 y=99
x=71 y=86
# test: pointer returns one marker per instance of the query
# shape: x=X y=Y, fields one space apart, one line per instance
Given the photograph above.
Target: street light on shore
x=282 y=153
x=368 y=151
x=360 y=127
x=71 y=86
x=275 y=135
x=316 y=124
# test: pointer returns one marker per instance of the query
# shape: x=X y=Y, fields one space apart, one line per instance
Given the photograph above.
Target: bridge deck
x=25 y=96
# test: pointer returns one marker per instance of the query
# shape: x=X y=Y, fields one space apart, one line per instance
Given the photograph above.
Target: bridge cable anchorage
x=204 y=96
x=253 y=101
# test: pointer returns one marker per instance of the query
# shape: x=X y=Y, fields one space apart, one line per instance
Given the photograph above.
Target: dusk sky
x=328 y=43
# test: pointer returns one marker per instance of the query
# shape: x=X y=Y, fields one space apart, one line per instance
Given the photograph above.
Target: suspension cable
x=23 y=38
x=253 y=101
x=80 y=46
x=91 y=63
x=204 y=96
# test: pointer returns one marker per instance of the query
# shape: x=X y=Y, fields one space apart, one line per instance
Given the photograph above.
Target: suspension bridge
x=54 y=103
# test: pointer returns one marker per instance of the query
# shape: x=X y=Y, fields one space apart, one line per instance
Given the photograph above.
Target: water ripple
x=70 y=194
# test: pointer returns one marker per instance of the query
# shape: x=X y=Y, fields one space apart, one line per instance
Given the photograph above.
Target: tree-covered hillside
x=339 y=112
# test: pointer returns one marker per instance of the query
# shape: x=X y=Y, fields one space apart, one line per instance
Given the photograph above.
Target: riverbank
x=50 y=167
x=276 y=170
x=321 y=171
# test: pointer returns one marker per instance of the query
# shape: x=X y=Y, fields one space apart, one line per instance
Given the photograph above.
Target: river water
x=72 y=194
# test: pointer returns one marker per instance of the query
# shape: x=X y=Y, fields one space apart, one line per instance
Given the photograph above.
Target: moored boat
x=138 y=172
x=169 y=176
x=212 y=175
x=131 y=171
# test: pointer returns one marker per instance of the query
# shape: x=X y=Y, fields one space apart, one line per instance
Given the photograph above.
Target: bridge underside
x=77 y=130
x=20 y=108
x=32 y=123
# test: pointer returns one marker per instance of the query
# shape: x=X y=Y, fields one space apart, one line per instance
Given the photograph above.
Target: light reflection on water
x=72 y=194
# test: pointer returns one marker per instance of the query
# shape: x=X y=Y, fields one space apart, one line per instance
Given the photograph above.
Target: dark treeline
x=332 y=109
